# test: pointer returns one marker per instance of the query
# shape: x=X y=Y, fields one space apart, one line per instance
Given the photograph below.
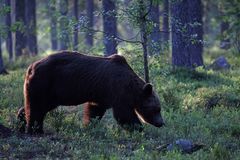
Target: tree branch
x=120 y=39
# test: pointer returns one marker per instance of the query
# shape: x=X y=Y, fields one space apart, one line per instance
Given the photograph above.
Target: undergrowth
x=201 y=105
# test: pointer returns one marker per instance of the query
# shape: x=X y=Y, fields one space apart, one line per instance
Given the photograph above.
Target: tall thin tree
x=9 y=41
x=31 y=30
x=165 y=21
x=2 y=68
x=109 y=27
x=64 y=22
x=53 y=24
x=75 y=35
x=143 y=30
x=20 y=40
x=89 y=34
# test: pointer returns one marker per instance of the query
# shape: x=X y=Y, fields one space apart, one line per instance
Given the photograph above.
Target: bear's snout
x=159 y=122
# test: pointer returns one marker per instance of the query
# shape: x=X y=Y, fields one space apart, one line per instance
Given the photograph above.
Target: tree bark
x=144 y=38
x=225 y=42
x=9 y=42
x=53 y=24
x=30 y=19
x=109 y=27
x=89 y=34
x=166 y=21
x=2 y=68
x=180 y=54
x=20 y=41
x=155 y=36
x=64 y=38
x=187 y=33
x=195 y=12
x=75 y=34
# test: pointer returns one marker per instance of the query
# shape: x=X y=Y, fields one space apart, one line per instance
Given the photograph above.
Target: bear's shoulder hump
x=118 y=59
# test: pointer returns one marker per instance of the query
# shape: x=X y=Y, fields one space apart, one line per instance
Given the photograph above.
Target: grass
x=201 y=105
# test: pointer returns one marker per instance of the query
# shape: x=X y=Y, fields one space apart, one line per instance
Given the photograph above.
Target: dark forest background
x=181 y=28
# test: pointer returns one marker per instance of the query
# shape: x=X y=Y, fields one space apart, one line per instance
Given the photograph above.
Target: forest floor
x=202 y=106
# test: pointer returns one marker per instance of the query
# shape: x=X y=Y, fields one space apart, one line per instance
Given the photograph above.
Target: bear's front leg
x=35 y=122
x=127 y=118
x=92 y=111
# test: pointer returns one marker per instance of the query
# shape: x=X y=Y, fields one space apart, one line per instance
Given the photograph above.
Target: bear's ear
x=147 y=89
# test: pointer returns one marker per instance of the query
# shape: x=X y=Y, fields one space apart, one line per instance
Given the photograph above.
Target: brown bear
x=70 y=78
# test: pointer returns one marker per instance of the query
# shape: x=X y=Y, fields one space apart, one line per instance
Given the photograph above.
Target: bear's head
x=150 y=108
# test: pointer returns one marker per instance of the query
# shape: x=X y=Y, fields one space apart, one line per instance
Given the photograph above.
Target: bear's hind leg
x=35 y=123
x=21 y=126
x=92 y=111
x=127 y=119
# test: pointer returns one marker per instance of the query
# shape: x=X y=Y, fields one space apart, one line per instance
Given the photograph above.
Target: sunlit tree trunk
x=31 y=29
x=89 y=34
x=20 y=40
x=2 y=68
x=53 y=24
x=9 y=42
x=109 y=27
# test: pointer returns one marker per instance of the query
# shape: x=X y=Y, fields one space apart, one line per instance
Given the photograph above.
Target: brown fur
x=70 y=78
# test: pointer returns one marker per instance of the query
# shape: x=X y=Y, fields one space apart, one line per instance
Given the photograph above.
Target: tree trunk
x=186 y=33
x=20 y=41
x=225 y=42
x=144 y=39
x=2 y=68
x=127 y=27
x=195 y=13
x=180 y=54
x=89 y=34
x=166 y=21
x=206 y=21
x=30 y=15
x=9 y=41
x=154 y=37
x=53 y=24
x=64 y=35
x=75 y=34
x=109 y=27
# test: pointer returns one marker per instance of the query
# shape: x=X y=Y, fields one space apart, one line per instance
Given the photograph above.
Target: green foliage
x=219 y=152
x=184 y=96
x=137 y=12
x=4 y=9
x=17 y=26
x=21 y=62
x=231 y=11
